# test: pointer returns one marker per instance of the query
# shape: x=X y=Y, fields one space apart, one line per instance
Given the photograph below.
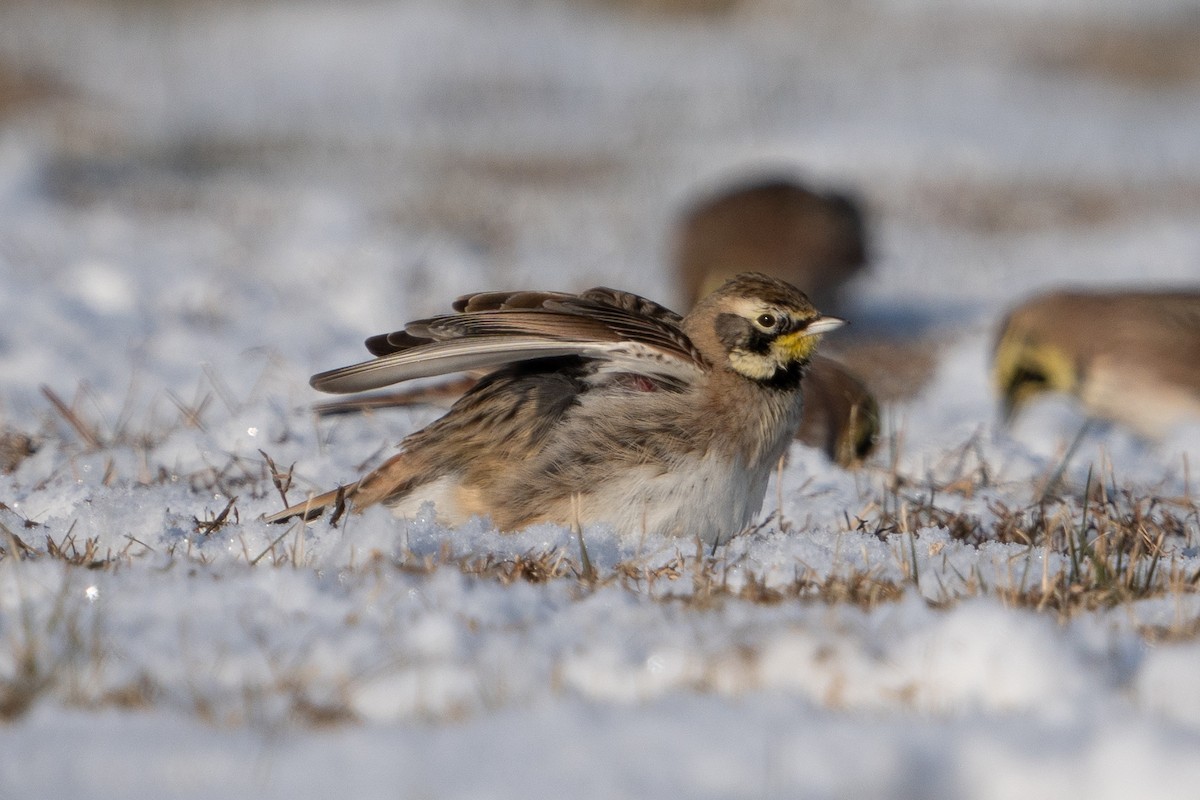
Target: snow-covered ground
x=204 y=201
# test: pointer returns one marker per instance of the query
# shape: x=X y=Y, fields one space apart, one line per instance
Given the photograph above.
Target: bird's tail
x=387 y=484
x=315 y=506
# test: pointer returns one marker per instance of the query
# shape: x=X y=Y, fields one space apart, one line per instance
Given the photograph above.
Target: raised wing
x=622 y=331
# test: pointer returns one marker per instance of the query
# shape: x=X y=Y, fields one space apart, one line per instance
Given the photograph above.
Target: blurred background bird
x=841 y=415
x=775 y=225
x=1131 y=357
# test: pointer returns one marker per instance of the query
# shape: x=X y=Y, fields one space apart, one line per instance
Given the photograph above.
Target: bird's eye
x=766 y=321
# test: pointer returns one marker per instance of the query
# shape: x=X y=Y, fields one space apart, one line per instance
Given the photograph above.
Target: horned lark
x=773 y=226
x=602 y=407
x=1127 y=356
x=776 y=226
x=841 y=416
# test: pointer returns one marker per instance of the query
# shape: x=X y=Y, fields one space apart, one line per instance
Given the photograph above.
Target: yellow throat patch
x=791 y=347
x=794 y=346
x=1016 y=357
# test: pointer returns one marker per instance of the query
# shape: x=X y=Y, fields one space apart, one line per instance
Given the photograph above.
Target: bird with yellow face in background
x=1131 y=357
x=772 y=224
x=600 y=407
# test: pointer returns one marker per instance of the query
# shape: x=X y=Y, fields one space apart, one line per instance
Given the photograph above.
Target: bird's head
x=762 y=328
x=1025 y=366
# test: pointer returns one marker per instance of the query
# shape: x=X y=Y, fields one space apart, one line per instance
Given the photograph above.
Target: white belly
x=704 y=500
x=442 y=493
x=699 y=500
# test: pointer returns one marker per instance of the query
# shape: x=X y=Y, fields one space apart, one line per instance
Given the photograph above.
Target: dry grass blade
x=339 y=507
x=191 y=415
x=209 y=526
x=16 y=544
x=281 y=480
x=67 y=549
x=86 y=432
x=1052 y=482
x=271 y=547
x=587 y=571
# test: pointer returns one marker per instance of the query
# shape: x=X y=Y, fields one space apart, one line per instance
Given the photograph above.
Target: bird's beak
x=799 y=344
x=823 y=325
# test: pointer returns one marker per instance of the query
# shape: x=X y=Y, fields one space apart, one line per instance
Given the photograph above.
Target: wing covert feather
x=624 y=331
x=440 y=358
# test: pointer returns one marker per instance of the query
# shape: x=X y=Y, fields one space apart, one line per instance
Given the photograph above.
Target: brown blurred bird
x=602 y=407
x=841 y=416
x=1128 y=356
x=773 y=225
